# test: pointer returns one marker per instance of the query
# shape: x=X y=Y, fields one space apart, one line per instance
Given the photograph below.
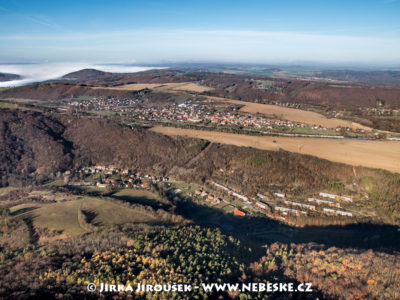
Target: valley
x=134 y=177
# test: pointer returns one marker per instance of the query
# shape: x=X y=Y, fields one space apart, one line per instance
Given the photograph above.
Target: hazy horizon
x=32 y=72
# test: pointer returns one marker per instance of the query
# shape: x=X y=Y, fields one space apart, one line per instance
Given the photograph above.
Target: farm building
x=237 y=212
x=216 y=200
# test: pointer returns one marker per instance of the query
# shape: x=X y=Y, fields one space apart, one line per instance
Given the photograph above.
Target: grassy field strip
x=62 y=217
x=4 y=104
x=292 y=114
x=373 y=154
x=5 y=190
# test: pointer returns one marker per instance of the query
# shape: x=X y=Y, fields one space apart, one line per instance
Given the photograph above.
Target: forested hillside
x=35 y=147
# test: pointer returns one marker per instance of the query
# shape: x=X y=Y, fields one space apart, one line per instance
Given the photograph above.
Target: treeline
x=340 y=273
x=133 y=253
x=189 y=254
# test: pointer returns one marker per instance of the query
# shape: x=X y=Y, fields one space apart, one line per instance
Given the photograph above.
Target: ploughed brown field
x=162 y=87
x=373 y=154
x=292 y=114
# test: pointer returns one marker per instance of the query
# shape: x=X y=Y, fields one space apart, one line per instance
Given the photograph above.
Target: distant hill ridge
x=85 y=74
x=369 y=77
x=9 y=76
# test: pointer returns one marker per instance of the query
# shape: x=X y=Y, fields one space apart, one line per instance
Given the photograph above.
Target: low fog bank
x=47 y=71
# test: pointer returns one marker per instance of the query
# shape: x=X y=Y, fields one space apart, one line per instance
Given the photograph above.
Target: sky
x=270 y=31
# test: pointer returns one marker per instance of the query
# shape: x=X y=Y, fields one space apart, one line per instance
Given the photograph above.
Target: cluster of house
x=289 y=207
x=128 y=178
x=285 y=104
x=252 y=121
x=209 y=197
x=382 y=111
x=338 y=199
x=184 y=112
x=251 y=205
x=287 y=210
x=187 y=112
x=108 y=104
x=297 y=208
x=215 y=200
x=195 y=113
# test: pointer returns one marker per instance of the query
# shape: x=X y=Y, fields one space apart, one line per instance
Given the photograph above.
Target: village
x=104 y=104
x=105 y=178
x=198 y=113
x=276 y=205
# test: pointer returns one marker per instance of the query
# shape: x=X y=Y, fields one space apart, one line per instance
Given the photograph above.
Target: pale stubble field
x=367 y=153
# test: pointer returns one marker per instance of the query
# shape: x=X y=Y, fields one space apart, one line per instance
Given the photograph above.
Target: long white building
x=327 y=202
x=286 y=210
x=338 y=212
x=333 y=196
x=280 y=195
x=230 y=191
x=308 y=206
x=262 y=196
x=262 y=205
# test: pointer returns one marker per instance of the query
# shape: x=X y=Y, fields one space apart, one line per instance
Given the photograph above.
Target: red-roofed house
x=237 y=212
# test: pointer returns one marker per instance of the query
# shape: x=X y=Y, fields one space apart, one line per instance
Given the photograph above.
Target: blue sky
x=270 y=31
